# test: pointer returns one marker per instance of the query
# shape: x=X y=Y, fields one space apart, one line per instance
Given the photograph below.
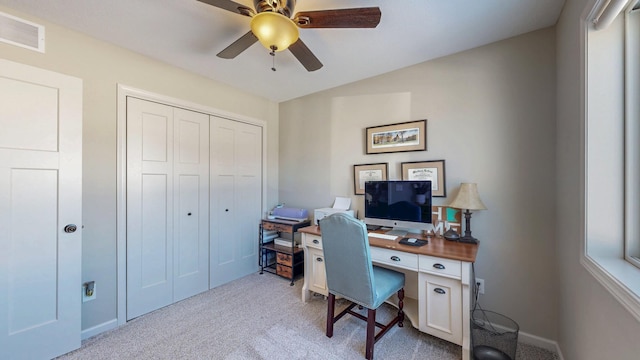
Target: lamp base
x=468 y=239
x=451 y=235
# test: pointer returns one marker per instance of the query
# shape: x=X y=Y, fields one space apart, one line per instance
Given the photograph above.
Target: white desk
x=437 y=281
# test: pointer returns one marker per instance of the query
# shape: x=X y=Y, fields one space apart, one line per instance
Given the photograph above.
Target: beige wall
x=492 y=117
x=593 y=325
x=102 y=66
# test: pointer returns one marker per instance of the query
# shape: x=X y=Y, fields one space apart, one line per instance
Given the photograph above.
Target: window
x=632 y=141
x=612 y=150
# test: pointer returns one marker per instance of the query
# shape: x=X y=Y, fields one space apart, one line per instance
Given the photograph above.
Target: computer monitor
x=403 y=205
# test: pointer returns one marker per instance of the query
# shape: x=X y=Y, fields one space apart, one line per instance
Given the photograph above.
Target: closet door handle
x=439 y=291
x=227 y=210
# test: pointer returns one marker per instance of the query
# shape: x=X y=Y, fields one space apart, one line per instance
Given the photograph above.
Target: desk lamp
x=468 y=199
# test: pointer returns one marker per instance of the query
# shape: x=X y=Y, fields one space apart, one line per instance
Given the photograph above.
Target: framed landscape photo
x=407 y=136
x=368 y=172
x=427 y=170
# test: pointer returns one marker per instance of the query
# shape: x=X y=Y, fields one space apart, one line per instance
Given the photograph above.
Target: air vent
x=19 y=32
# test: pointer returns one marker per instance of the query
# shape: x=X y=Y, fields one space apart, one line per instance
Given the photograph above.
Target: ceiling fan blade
x=305 y=56
x=238 y=46
x=339 y=18
x=230 y=6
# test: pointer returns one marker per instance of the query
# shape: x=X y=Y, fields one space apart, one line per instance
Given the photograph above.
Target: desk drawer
x=313 y=241
x=394 y=258
x=440 y=266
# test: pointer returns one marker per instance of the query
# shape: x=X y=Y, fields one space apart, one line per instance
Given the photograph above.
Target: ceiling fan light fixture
x=274 y=30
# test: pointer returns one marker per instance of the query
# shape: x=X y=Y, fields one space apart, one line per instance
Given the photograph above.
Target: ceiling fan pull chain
x=273 y=58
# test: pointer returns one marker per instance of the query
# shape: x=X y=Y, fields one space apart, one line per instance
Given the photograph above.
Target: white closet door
x=236 y=199
x=40 y=194
x=149 y=206
x=191 y=204
x=167 y=205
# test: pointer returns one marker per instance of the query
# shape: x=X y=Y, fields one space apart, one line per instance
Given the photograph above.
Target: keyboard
x=382 y=236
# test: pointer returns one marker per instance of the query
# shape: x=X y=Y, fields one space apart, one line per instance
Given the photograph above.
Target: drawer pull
x=439 y=266
x=315 y=241
x=439 y=291
x=395 y=258
x=319 y=259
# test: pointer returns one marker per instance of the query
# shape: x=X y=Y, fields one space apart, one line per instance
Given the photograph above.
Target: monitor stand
x=397 y=232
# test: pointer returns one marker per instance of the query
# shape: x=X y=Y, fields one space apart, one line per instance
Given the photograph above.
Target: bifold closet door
x=167 y=205
x=236 y=199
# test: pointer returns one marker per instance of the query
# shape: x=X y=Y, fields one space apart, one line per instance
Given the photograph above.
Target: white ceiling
x=188 y=34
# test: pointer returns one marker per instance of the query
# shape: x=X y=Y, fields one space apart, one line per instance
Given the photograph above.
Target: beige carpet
x=262 y=317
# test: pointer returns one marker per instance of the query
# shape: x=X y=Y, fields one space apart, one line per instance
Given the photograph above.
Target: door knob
x=71 y=228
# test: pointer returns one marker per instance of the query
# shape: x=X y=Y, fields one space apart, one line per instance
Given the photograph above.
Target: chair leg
x=400 y=306
x=331 y=305
x=371 y=332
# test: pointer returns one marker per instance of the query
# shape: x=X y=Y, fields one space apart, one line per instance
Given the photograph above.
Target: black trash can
x=493 y=336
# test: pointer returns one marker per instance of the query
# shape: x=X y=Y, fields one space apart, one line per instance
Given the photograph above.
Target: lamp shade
x=274 y=30
x=468 y=198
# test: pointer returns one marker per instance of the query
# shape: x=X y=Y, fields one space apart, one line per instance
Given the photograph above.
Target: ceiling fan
x=273 y=26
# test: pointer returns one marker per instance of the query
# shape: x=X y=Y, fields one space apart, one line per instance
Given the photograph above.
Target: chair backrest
x=347 y=258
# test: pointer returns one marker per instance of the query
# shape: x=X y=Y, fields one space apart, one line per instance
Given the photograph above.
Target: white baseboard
x=540 y=342
x=100 y=328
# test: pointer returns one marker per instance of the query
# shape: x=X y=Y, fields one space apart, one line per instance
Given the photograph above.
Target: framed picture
x=408 y=136
x=368 y=172
x=427 y=170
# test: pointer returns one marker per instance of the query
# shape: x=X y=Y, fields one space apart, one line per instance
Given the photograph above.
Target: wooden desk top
x=437 y=246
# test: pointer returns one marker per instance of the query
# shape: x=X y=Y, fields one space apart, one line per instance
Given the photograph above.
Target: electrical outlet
x=480 y=285
x=88 y=291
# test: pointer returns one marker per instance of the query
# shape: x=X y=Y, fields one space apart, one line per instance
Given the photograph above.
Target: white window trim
x=632 y=142
x=618 y=276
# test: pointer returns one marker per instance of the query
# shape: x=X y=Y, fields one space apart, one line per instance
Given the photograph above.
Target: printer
x=340 y=205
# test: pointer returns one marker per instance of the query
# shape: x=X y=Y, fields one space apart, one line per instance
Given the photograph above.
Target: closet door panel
x=248 y=149
x=191 y=211
x=236 y=199
x=187 y=226
x=149 y=206
x=223 y=227
x=155 y=259
x=247 y=235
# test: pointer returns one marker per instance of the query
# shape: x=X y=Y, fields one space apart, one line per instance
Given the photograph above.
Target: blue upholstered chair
x=351 y=275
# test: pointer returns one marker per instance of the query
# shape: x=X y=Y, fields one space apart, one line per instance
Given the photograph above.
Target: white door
x=191 y=204
x=167 y=205
x=236 y=199
x=40 y=193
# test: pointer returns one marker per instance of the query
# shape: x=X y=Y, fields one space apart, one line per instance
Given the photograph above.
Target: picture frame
x=400 y=137
x=427 y=170
x=368 y=172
